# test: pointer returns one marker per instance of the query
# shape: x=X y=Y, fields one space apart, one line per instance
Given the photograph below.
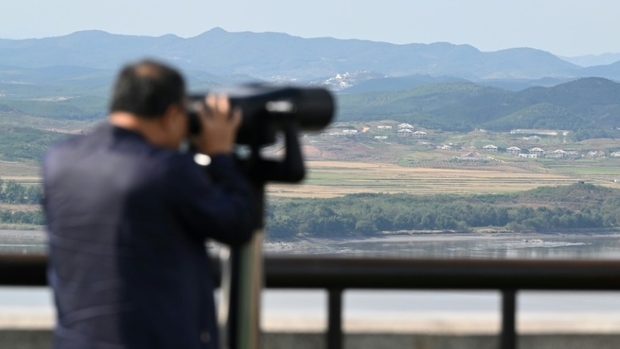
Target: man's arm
x=218 y=206
x=225 y=201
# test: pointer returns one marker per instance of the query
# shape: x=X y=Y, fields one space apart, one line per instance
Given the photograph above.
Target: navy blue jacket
x=127 y=224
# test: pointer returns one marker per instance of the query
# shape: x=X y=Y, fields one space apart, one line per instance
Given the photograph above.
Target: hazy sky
x=563 y=27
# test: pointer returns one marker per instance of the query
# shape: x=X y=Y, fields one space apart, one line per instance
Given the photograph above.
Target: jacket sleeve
x=216 y=205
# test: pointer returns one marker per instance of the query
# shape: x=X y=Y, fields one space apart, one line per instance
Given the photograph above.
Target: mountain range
x=592 y=60
x=588 y=106
x=218 y=56
x=439 y=86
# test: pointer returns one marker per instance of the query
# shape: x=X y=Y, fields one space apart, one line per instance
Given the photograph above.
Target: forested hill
x=589 y=108
x=545 y=209
x=584 y=104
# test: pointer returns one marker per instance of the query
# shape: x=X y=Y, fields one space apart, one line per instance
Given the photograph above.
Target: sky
x=562 y=27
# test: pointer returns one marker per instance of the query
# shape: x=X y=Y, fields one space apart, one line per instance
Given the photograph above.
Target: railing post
x=334 y=319
x=508 y=337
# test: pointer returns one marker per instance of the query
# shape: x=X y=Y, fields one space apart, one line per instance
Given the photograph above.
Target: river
x=479 y=310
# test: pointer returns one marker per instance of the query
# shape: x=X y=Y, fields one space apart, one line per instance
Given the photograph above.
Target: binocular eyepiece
x=267 y=109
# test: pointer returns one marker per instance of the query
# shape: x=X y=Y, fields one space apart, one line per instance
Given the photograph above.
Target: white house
x=558 y=154
x=405 y=132
x=513 y=150
x=381 y=127
x=491 y=148
x=405 y=126
x=539 y=152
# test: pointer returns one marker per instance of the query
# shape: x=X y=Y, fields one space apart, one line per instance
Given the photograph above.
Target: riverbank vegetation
x=20 y=204
x=14 y=193
x=545 y=209
x=10 y=219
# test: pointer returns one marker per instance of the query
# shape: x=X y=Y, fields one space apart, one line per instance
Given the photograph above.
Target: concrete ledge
x=27 y=318
x=435 y=323
x=26 y=339
x=421 y=341
x=449 y=324
x=41 y=339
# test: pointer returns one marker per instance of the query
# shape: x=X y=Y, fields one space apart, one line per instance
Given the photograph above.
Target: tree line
x=26 y=142
x=11 y=192
x=22 y=217
x=544 y=209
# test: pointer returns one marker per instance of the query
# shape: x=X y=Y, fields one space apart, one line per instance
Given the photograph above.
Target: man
x=128 y=215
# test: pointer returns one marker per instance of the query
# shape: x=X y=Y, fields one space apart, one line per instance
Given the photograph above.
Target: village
x=478 y=145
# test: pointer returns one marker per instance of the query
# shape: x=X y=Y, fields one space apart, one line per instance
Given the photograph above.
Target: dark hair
x=147 y=88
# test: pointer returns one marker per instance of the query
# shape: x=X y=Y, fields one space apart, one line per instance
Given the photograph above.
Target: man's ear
x=169 y=117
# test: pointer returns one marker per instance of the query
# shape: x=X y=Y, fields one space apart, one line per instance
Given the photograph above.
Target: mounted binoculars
x=269 y=109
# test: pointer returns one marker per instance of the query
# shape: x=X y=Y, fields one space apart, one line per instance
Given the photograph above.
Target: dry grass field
x=340 y=166
x=21 y=171
x=337 y=178
x=344 y=166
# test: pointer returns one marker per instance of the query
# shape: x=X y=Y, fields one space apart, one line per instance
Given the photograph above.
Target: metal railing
x=337 y=274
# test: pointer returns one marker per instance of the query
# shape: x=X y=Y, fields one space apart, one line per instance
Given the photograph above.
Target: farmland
x=337 y=178
x=361 y=164
x=443 y=163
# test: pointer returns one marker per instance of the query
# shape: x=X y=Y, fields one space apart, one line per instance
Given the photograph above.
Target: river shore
x=410 y=244
x=459 y=245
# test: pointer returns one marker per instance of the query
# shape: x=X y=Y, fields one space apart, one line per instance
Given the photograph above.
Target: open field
x=344 y=165
x=49 y=124
x=587 y=169
x=21 y=171
x=337 y=178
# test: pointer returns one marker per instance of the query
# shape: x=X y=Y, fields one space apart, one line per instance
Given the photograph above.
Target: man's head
x=149 y=97
x=146 y=89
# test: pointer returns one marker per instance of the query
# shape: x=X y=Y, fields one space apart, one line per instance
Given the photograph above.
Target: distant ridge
x=593 y=60
x=279 y=56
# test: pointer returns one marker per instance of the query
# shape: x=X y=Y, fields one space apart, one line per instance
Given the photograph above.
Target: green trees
x=21 y=217
x=14 y=193
x=26 y=142
x=543 y=209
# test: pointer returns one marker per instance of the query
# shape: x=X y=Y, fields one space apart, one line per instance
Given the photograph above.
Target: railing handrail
x=390 y=273
x=23 y=270
x=336 y=274
x=400 y=273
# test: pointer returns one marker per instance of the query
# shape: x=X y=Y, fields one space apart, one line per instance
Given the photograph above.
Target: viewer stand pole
x=334 y=318
x=508 y=336
x=243 y=275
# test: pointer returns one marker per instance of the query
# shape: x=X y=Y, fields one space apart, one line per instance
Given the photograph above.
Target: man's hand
x=219 y=126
